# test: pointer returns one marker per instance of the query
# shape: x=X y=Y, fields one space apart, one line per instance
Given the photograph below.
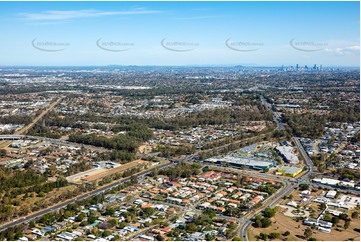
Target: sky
x=180 y=33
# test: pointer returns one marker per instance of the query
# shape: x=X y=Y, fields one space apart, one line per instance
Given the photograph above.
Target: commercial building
x=288 y=106
x=331 y=194
x=240 y=162
x=291 y=171
x=334 y=182
x=317 y=222
x=348 y=201
x=287 y=153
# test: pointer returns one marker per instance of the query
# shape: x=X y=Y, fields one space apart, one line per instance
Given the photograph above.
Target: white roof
x=292 y=203
x=241 y=161
x=334 y=182
x=331 y=193
x=288 y=152
x=100 y=239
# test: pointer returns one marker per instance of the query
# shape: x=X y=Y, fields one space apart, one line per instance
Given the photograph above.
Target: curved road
x=287 y=189
x=273 y=200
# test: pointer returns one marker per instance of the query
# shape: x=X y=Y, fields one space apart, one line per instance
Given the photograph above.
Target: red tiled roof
x=233 y=201
x=148 y=205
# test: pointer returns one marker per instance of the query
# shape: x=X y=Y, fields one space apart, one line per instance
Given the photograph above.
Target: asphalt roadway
x=276 y=116
x=50 y=140
x=81 y=197
x=288 y=189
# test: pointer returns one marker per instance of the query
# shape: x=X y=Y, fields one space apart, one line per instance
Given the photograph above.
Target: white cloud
x=344 y=51
x=74 y=14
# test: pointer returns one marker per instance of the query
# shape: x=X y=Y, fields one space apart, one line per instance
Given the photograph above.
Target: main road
x=50 y=140
x=80 y=197
x=24 y=129
x=276 y=116
x=288 y=189
x=40 y=116
x=289 y=186
x=307 y=160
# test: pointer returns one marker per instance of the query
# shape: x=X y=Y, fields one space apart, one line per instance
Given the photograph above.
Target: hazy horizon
x=180 y=33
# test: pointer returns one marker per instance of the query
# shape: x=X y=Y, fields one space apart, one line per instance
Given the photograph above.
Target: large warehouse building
x=287 y=153
x=240 y=162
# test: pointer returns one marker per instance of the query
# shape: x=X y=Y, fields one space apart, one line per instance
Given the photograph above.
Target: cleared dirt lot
x=76 y=178
x=120 y=168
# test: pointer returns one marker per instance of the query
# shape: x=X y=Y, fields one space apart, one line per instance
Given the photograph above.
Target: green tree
x=327 y=217
x=308 y=233
x=274 y=235
x=113 y=222
x=355 y=214
x=258 y=221
x=286 y=233
x=209 y=212
x=109 y=211
x=209 y=237
x=335 y=220
x=122 y=225
x=116 y=237
x=232 y=226
x=269 y=212
x=91 y=219
x=313 y=226
x=347 y=224
x=206 y=169
x=159 y=237
x=107 y=232
x=191 y=227
x=266 y=222
x=81 y=216
x=343 y=216
x=3 y=152
x=263 y=236
x=148 y=211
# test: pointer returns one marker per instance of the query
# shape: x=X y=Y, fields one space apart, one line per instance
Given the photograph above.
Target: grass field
x=282 y=223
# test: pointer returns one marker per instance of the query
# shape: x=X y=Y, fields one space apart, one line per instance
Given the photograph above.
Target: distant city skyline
x=180 y=33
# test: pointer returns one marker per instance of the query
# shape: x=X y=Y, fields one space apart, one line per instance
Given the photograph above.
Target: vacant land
x=76 y=178
x=282 y=223
x=121 y=168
